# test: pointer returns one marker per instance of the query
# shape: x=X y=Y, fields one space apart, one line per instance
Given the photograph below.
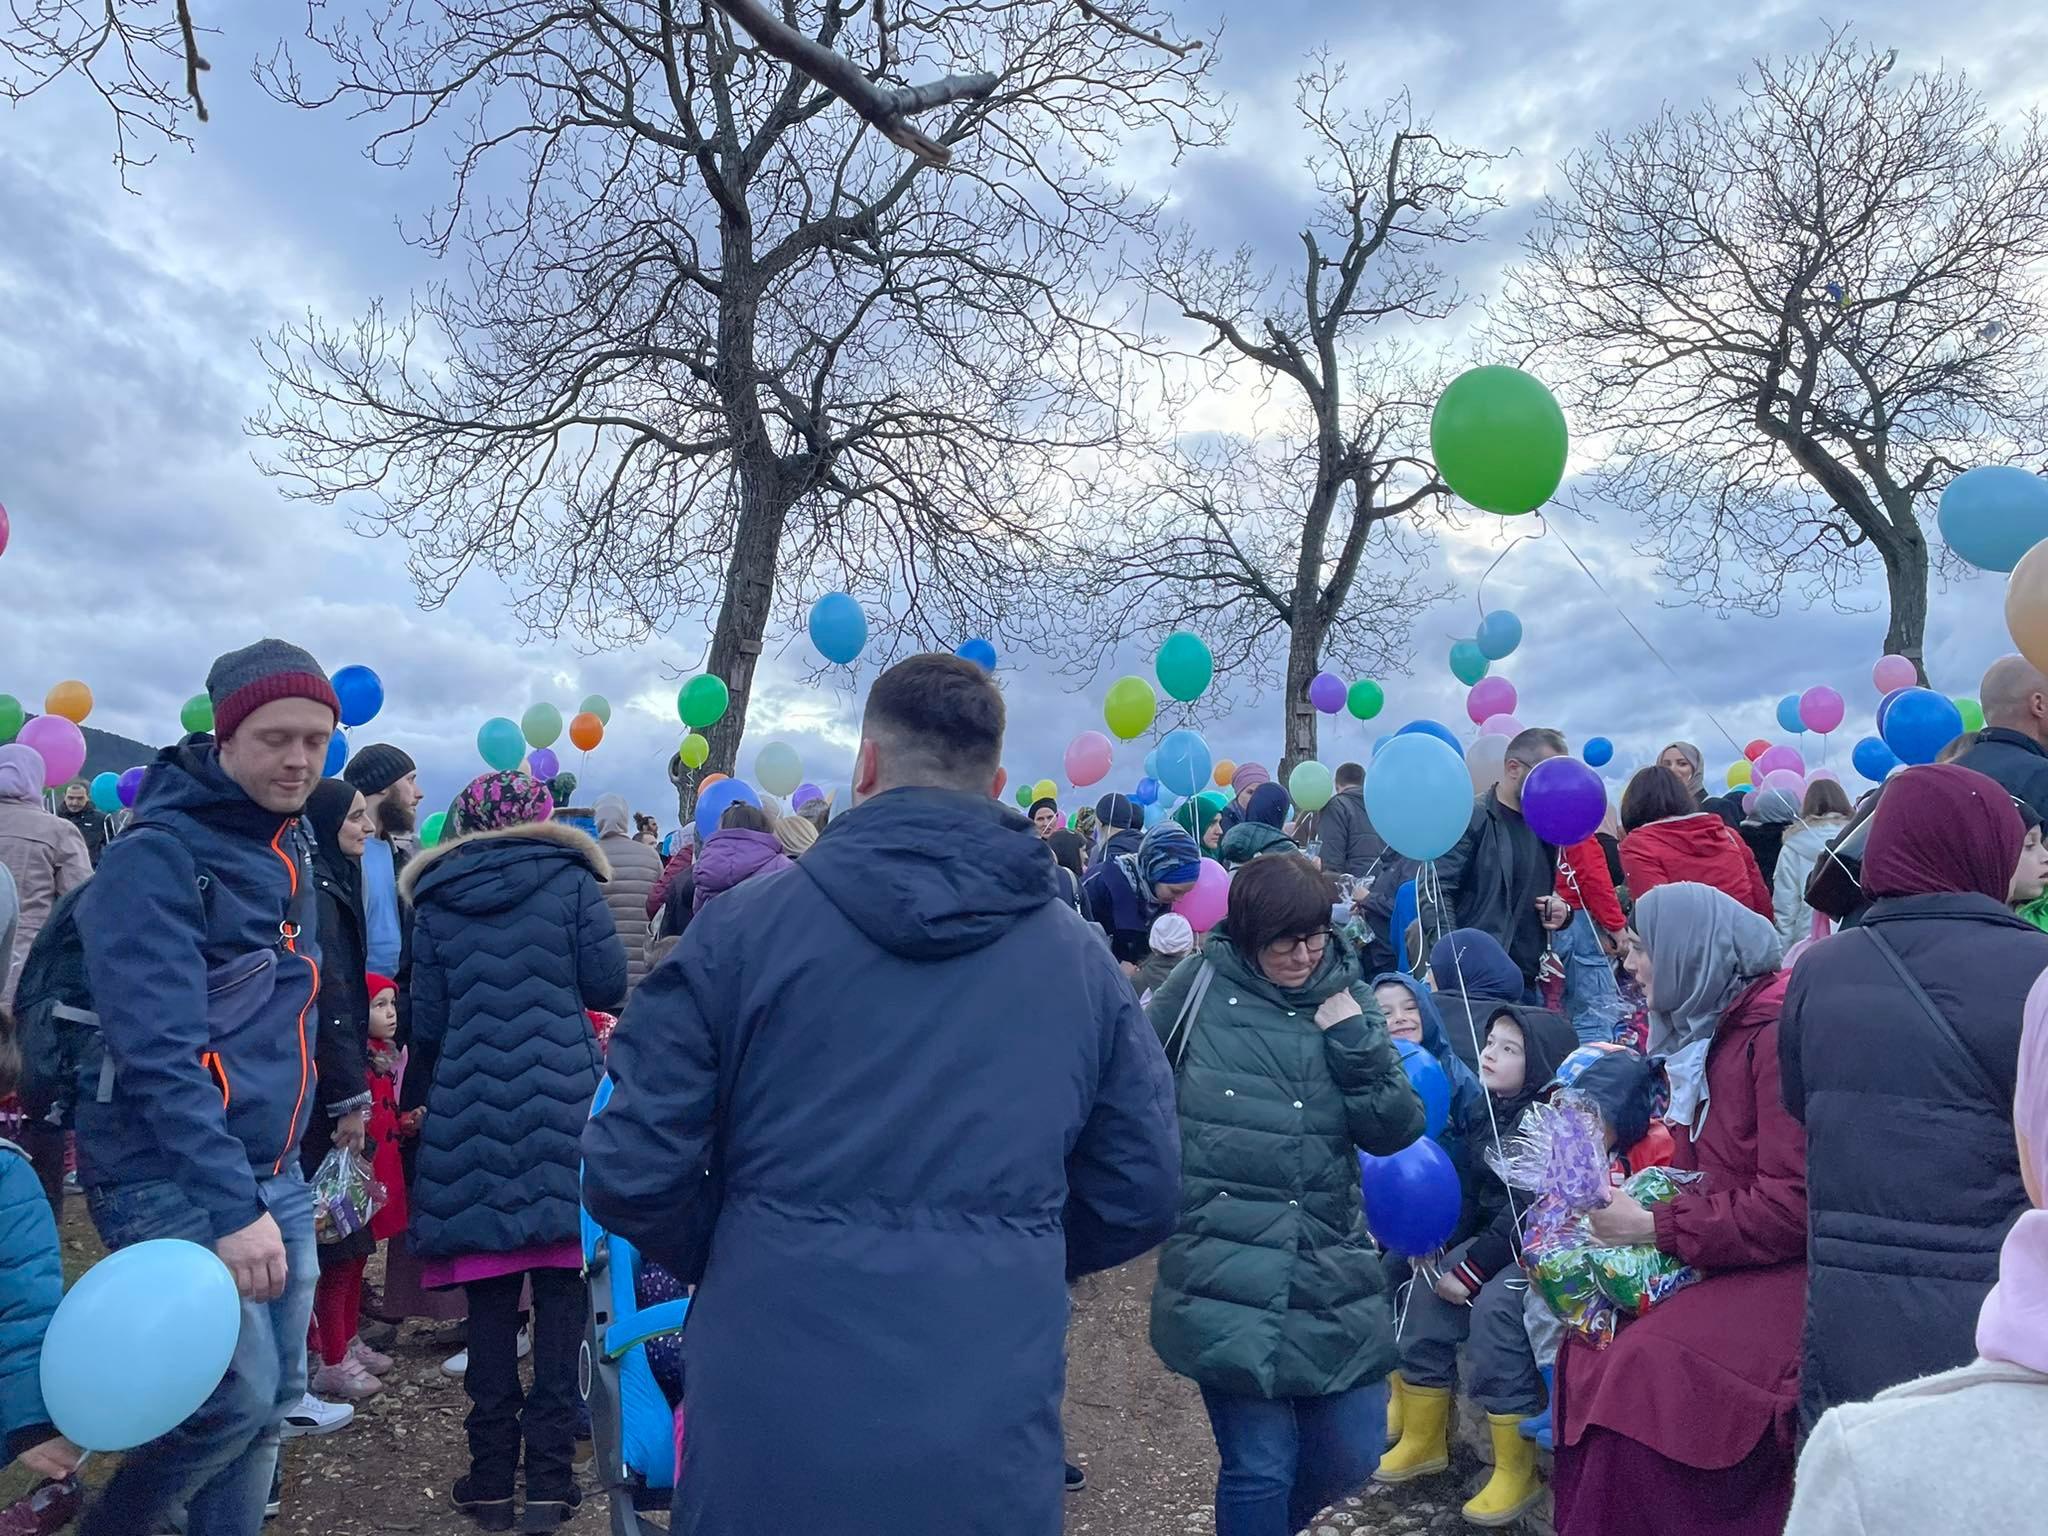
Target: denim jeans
x=1286 y=1459
x=1591 y=999
x=215 y=1467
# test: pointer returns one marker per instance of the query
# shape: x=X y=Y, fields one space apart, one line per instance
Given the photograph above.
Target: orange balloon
x=1224 y=769
x=72 y=700
x=707 y=781
x=2026 y=605
x=1002 y=778
x=586 y=731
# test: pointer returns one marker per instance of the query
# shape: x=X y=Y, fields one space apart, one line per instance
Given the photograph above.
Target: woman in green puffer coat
x=1270 y=1294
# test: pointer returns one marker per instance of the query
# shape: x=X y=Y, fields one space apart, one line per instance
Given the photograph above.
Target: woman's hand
x=1336 y=1008
x=1622 y=1222
x=56 y=1458
x=1452 y=1289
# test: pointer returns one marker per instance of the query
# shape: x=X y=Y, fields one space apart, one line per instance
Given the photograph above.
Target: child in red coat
x=387 y=1126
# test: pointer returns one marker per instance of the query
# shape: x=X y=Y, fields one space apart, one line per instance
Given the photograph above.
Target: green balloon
x=1310 y=786
x=1129 y=708
x=12 y=717
x=1972 y=712
x=595 y=705
x=1184 y=666
x=702 y=702
x=197 y=715
x=1499 y=439
x=1366 y=699
x=1468 y=662
x=431 y=829
x=1024 y=797
x=694 y=751
x=541 y=725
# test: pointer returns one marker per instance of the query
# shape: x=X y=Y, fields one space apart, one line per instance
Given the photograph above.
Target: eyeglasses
x=1311 y=944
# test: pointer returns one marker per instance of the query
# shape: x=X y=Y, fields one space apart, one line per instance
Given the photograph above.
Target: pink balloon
x=1788 y=781
x=1490 y=696
x=1893 y=672
x=1088 y=759
x=1203 y=907
x=59 y=743
x=5 y=530
x=1779 y=758
x=1824 y=773
x=1500 y=725
x=1821 y=709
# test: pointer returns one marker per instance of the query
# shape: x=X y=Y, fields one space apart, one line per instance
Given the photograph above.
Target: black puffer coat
x=1912 y=1178
x=512 y=941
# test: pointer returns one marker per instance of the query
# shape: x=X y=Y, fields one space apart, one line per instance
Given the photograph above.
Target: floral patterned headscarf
x=493 y=801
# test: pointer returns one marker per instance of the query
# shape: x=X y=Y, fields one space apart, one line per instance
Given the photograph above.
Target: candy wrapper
x=346 y=1194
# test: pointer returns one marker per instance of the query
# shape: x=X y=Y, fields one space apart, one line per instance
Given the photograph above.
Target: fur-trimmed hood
x=488 y=871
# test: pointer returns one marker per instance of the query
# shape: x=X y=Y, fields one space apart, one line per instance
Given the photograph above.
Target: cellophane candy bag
x=346 y=1194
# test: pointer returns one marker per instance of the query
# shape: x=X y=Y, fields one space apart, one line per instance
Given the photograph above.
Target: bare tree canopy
x=1289 y=534
x=1797 y=317
x=718 y=344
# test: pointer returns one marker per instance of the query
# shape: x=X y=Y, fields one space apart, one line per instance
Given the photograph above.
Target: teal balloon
x=139 y=1343
x=1419 y=796
x=500 y=744
x=1185 y=666
x=106 y=792
x=596 y=705
x=1499 y=633
x=1468 y=662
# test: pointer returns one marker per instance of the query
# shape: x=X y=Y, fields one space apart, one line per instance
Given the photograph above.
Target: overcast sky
x=145 y=542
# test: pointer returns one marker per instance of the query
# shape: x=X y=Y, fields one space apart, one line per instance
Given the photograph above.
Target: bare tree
x=1797 y=316
x=717 y=344
x=1293 y=528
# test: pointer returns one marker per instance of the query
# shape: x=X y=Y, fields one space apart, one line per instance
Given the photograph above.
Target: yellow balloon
x=694 y=750
x=72 y=700
x=1740 y=773
x=2026 y=605
x=1130 y=707
x=1225 y=770
x=1045 y=789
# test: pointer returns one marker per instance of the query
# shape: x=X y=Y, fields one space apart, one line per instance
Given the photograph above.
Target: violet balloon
x=1500 y=725
x=1776 y=758
x=1563 y=801
x=805 y=793
x=1893 y=673
x=1327 y=692
x=1821 y=709
x=542 y=763
x=59 y=743
x=1088 y=759
x=1490 y=696
x=1204 y=906
x=131 y=785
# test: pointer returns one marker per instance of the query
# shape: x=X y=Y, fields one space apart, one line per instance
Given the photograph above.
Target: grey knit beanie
x=243 y=681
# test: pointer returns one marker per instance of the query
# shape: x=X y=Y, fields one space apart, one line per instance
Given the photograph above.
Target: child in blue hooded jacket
x=31 y=1285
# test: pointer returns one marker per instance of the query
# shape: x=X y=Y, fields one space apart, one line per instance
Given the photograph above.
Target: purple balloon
x=1490 y=696
x=1564 y=801
x=543 y=764
x=805 y=794
x=131 y=785
x=1821 y=709
x=1327 y=692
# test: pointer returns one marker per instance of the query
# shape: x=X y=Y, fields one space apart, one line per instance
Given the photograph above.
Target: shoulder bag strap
x=1184 y=1025
x=1947 y=1030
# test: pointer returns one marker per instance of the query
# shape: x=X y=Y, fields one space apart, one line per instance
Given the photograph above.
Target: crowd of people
x=877 y=1083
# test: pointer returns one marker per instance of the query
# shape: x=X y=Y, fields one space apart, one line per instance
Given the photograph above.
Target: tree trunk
x=1304 y=655
x=1905 y=575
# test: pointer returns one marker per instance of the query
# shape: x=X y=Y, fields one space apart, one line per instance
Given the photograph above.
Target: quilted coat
x=512 y=942
x=1270 y=1286
x=636 y=868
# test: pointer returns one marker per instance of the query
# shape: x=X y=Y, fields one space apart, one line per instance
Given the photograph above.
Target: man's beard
x=393 y=819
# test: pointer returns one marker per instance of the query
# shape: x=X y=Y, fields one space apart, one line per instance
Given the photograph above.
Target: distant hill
x=106 y=752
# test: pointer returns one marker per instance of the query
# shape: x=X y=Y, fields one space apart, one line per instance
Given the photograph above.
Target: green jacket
x=1270 y=1286
x=1248 y=839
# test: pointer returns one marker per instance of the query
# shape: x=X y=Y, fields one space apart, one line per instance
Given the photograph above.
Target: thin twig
x=1156 y=39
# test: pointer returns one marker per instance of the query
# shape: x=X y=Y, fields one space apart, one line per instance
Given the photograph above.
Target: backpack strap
x=1184 y=1023
x=1942 y=1027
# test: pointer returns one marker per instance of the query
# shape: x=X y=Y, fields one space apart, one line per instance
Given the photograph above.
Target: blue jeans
x=216 y=1466
x=1591 y=999
x=1287 y=1459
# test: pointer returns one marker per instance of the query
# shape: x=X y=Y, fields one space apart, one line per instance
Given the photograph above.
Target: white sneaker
x=314 y=1416
x=458 y=1364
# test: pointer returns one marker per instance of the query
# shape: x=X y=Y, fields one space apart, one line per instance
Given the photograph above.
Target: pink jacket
x=47 y=858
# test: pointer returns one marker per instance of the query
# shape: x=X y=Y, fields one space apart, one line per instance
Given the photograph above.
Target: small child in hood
x=387 y=1126
x=1172 y=939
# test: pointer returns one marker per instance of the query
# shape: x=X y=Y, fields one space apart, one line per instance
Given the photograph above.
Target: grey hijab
x=1697 y=758
x=1775 y=808
x=1705 y=947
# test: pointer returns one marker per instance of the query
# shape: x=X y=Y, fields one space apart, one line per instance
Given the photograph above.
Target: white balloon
x=1486 y=760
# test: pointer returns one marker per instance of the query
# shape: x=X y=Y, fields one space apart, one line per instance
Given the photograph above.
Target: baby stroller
x=632 y=1426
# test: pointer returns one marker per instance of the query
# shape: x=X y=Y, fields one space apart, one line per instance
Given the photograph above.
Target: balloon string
x=1479 y=591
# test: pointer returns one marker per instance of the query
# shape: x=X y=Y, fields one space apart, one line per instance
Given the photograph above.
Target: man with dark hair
x=199 y=939
x=1350 y=846
x=91 y=822
x=879 y=1111
x=389 y=783
x=1501 y=878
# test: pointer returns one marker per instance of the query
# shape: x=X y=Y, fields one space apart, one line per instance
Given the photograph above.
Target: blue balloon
x=1419 y=796
x=1184 y=763
x=1873 y=759
x=337 y=755
x=1599 y=752
x=1920 y=723
x=1993 y=514
x=139 y=1343
x=1884 y=708
x=106 y=792
x=501 y=744
x=978 y=651
x=713 y=802
x=1431 y=1085
x=361 y=693
x=1379 y=744
x=1442 y=733
x=838 y=628
x=1412 y=1199
x=1152 y=764
x=1788 y=714
x=1153 y=814
x=1499 y=633
x=1147 y=792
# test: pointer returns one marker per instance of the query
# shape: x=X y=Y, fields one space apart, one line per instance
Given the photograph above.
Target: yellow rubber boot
x=1393 y=1408
x=1425 y=1444
x=1514 y=1489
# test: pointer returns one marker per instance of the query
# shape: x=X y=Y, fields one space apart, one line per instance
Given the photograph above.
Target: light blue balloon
x=1468 y=662
x=1499 y=633
x=1183 y=763
x=838 y=628
x=1442 y=733
x=1788 y=714
x=714 y=802
x=1993 y=514
x=1152 y=764
x=337 y=756
x=139 y=1343
x=1154 y=814
x=106 y=792
x=501 y=744
x=1419 y=795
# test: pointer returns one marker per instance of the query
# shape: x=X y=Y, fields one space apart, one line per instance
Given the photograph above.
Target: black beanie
x=1119 y=813
x=377 y=767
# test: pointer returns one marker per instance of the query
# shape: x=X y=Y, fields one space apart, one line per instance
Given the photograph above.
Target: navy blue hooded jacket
x=1474 y=958
x=204 y=990
x=881 y=1109
x=512 y=941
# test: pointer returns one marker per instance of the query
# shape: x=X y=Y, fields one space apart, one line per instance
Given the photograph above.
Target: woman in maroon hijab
x=1899 y=1048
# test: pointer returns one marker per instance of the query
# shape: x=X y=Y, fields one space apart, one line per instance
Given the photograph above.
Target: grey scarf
x=1705 y=947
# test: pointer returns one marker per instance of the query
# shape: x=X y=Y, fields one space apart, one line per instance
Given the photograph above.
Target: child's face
x=2031 y=878
x=1502 y=1066
x=1404 y=1018
x=384 y=1016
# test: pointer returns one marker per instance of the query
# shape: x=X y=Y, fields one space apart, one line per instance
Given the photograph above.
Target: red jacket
x=1585 y=884
x=386 y=1131
x=1713 y=1372
x=1700 y=847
